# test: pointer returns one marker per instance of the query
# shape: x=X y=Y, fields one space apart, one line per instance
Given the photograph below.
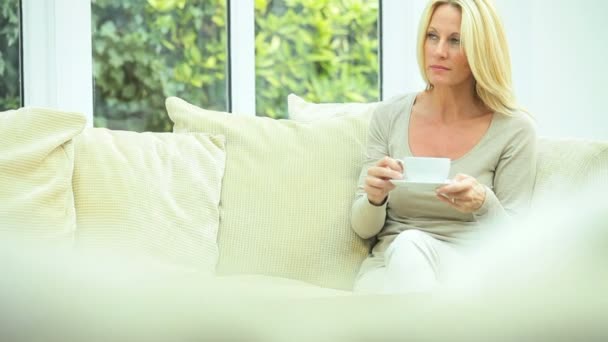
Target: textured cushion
x=303 y=111
x=287 y=194
x=565 y=165
x=36 y=164
x=152 y=195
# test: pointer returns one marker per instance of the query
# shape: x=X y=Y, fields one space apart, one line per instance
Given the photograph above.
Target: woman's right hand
x=377 y=184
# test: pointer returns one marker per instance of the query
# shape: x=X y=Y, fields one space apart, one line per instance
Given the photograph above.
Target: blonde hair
x=484 y=43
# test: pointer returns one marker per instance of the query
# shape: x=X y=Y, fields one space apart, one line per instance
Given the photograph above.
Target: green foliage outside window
x=324 y=50
x=10 y=87
x=144 y=51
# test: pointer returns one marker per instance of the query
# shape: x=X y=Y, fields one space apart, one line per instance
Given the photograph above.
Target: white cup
x=426 y=169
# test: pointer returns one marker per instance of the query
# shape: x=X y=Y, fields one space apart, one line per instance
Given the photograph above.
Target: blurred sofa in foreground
x=240 y=225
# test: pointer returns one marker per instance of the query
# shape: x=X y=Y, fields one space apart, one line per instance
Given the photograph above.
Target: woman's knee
x=405 y=242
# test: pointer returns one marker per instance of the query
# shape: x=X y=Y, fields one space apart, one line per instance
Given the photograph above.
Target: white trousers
x=413 y=262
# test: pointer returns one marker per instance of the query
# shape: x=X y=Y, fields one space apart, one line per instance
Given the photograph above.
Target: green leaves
x=147 y=50
x=167 y=5
x=325 y=50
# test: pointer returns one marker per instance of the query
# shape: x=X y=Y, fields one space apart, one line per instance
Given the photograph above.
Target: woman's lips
x=439 y=67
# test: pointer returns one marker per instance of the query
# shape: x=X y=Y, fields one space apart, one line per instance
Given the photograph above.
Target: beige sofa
x=242 y=204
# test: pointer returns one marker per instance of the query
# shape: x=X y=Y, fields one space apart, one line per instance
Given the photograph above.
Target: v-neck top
x=504 y=160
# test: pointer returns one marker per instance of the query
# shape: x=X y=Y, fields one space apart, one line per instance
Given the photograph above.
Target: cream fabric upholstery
x=287 y=194
x=304 y=111
x=150 y=195
x=565 y=165
x=542 y=280
x=261 y=286
x=36 y=163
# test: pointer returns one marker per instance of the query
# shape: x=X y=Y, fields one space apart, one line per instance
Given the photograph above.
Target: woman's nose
x=441 y=50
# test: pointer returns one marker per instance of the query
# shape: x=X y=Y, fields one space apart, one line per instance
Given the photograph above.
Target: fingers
x=460 y=183
x=377 y=190
x=451 y=201
x=461 y=176
x=384 y=173
x=386 y=168
x=465 y=194
x=390 y=163
x=377 y=183
x=377 y=193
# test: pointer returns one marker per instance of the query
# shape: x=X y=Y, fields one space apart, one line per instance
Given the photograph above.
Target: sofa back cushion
x=150 y=195
x=304 y=111
x=287 y=194
x=566 y=165
x=36 y=164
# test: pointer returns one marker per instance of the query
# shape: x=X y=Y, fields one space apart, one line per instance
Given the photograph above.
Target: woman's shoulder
x=518 y=124
x=394 y=105
x=399 y=99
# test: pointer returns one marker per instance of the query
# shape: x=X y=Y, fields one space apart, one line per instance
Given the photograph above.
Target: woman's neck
x=451 y=104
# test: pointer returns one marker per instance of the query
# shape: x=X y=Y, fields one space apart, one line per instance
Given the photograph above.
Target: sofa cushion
x=304 y=111
x=260 y=286
x=36 y=164
x=566 y=165
x=287 y=194
x=152 y=195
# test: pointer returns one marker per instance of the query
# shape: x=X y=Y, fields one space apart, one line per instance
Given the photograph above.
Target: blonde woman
x=467 y=113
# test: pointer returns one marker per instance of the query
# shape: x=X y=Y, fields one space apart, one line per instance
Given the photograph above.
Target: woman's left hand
x=464 y=194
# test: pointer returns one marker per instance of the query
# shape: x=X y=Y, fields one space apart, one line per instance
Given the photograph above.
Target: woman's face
x=445 y=63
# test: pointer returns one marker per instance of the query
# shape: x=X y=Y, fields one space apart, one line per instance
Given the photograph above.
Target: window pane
x=146 y=50
x=325 y=51
x=10 y=61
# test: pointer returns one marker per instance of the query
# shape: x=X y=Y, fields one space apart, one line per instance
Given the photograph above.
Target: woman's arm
x=514 y=176
x=367 y=219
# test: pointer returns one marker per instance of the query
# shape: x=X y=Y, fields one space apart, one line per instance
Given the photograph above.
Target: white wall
x=560 y=63
x=400 y=73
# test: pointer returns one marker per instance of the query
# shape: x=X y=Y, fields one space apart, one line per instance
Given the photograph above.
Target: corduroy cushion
x=36 y=164
x=150 y=195
x=567 y=165
x=287 y=194
x=304 y=111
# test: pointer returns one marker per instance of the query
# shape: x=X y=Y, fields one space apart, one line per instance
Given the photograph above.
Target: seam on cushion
x=72 y=206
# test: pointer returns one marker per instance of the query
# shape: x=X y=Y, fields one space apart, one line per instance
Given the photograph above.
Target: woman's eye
x=431 y=36
x=455 y=41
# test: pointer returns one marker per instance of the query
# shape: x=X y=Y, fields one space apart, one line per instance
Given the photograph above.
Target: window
x=325 y=51
x=146 y=50
x=10 y=61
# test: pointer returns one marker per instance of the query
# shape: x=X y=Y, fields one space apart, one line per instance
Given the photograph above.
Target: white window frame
x=400 y=72
x=57 y=55
x=241 y=33
x=58 y=62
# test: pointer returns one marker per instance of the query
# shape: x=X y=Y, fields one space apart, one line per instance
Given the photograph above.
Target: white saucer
x=421 y=186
